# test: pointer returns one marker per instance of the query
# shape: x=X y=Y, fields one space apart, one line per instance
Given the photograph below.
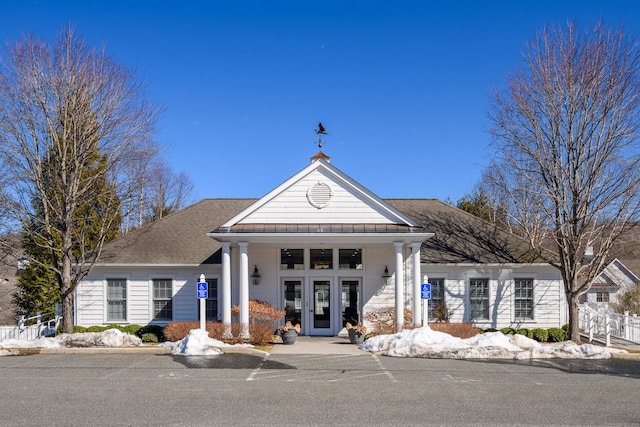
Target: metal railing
x=31 y=328
x=601 y=321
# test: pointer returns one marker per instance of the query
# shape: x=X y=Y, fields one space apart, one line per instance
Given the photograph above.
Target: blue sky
x=401 y=86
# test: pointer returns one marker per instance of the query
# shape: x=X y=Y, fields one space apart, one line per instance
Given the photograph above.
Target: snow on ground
x=108 y=338
x=424 y=342
x=420 y=342
x=196 y=343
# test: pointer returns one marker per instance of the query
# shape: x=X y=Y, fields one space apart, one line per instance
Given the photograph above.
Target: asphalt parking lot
x=312 y=389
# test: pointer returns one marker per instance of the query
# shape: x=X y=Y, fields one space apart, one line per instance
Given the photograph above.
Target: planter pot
x=289 y=336
x=355 y=337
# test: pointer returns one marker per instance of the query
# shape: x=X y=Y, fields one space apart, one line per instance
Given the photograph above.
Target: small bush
x=540 y=335
x=96 y=328
x=260 y=311
x=526 y=332
x=131 y=329
x=508 y=331
x=460 y=330
x=384 y=320
x=557 y=334
x=76 y=329
x=149 y=337
x=491 y=330
x=151 y=329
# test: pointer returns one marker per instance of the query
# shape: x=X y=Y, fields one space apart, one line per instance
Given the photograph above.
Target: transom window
x=523 y=298
x=350 y=259
x=162 y=299
x=116 y=300
x=321 y=259
x=291 y=259
x=479 y=299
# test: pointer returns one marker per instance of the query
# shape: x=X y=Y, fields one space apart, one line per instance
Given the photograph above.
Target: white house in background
x=614 y=279
x=326 y=249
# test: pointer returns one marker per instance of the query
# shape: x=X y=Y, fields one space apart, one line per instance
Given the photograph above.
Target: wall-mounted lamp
x=386 y=275
x=255 y=276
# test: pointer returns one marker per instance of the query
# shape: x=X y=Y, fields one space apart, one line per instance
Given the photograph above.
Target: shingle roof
x=181 y=238
x=460 y=237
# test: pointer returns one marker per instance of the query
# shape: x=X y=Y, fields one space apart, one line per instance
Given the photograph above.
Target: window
x=116 y=300
x=321 y=259
x=602 y=296
x=523 y=298
x=350 y=259
x=437 y=298
x=162 y=303
x=291 y=259
x=211 y=303
x=478 y=299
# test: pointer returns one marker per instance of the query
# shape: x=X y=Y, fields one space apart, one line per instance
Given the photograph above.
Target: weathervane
x=320 y=131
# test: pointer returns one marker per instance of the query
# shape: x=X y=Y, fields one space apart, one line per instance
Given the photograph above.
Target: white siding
x=292 y=206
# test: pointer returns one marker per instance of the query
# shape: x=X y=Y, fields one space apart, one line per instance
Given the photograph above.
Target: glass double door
x=319 y=307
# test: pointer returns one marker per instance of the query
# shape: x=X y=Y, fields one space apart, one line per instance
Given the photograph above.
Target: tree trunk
x=574 y=318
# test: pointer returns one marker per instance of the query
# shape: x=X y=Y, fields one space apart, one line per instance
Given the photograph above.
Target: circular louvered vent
x=319 y=195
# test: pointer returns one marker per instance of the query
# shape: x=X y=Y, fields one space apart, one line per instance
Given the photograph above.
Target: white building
x=327 y=250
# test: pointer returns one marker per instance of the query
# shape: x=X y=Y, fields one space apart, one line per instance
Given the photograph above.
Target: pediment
x=320 y=194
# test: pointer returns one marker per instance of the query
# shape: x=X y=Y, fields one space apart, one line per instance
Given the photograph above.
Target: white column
x=399 y=287
x=417 y=289
x=226 y=289
x=244 y=290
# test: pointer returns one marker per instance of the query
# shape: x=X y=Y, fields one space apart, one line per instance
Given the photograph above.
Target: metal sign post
x=203 y=294
x=425 y=293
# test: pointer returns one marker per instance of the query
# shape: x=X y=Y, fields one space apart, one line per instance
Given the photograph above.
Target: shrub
x=384 y=319
x=508 y=331
x=151 y=329
x=526 y=332
x=540 y=335
x=260 y=311
x=441 y=312
x=491 y=330
x=557 y=334
x=76 y=329
x=131 y=329
x=96 y=328
x=149 y=337
x=261 y=333
x=460 y=330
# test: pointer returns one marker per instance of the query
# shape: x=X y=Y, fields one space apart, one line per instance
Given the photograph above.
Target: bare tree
x=72 y=122
x=565 y=129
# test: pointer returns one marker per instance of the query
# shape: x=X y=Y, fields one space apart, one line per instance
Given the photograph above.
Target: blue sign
x=203 y=290
x=425 y=291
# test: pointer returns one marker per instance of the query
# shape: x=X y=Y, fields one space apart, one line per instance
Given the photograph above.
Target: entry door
x=320 y=307
x=293 y=301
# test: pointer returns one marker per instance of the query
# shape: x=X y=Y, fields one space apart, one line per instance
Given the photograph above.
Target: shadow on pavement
x=616 y=367
x=229 y=361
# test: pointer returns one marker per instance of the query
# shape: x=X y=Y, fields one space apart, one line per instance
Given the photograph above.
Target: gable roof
x=181 y=238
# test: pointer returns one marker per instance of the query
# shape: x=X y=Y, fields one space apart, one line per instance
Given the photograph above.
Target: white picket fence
x=31 y=328
x=600 y=321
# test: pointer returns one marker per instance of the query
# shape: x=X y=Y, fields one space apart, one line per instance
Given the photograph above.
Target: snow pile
x=198 y=343
x=108 y=338
x=424 y=342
